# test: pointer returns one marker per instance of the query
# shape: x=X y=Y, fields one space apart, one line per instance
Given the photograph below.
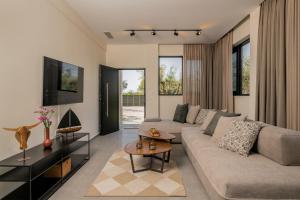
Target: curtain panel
x=293 y=63
x=197 y=75
x=222 y=74
x=207 y=74
x=278 y=62
x=271 y=68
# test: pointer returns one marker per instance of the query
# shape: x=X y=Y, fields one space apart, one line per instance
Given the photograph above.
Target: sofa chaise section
x=227 y=175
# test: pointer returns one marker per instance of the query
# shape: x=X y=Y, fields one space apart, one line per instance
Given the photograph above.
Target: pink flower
x=42 y=118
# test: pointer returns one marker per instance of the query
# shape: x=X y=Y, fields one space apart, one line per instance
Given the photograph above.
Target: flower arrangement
x=45 y=115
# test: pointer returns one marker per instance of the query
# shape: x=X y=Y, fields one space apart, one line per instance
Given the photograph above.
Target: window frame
x=159 y=75
x=238 y=50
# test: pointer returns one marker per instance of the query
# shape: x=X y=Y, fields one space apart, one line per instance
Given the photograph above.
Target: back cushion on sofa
x=213 y=123
x=280 y=145
x=181 y=113
x=210 y=115
x=192 y=114
x=202 y=116
x=223 y=126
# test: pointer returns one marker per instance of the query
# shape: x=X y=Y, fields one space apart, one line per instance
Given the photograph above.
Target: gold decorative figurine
x=22 y=134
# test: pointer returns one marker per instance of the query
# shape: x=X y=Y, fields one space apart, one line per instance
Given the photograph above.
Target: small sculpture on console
x=22 y=134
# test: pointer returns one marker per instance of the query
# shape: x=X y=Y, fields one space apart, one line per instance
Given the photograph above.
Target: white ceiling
x=214 y=17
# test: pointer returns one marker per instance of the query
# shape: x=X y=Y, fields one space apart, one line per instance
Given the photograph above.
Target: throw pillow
x=201 y=116
x=180 y=113
x=210 y=115
x=240 y=137
x=192 y=114
x=223 y=126
x=212 y=125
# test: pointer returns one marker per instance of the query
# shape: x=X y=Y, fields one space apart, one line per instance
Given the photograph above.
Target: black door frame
x=139 y=68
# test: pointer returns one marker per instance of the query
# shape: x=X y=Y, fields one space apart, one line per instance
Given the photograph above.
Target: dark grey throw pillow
x=181 y=113
x=213 y=124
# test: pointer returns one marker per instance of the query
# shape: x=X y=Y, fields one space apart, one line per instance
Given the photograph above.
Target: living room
x=220 y=123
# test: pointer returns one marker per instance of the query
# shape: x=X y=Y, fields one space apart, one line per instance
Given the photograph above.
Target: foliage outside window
x=241 y=69
x=139 y=77
x=170 y=75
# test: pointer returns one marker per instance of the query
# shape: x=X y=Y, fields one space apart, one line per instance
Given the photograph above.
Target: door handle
x=107 y=100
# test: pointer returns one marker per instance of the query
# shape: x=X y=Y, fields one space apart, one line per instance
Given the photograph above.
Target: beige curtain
x=271 y=68
x=293 y=63
x=197 y=75
x=222 y=74
x=207 y=74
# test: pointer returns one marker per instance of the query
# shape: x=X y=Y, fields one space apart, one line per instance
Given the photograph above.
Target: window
x=170 y=75
x=241 y=69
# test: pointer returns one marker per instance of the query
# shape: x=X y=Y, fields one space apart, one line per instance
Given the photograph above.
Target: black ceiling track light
x=132 y=33
x=176 y=33
x=154 y=31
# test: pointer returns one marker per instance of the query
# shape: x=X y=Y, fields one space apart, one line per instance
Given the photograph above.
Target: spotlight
x=198 y=32
x=175 y=33
x=153 y=33
x=132 y=33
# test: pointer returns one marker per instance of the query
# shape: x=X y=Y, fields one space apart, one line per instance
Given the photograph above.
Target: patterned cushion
x=241 y=137
x=210 y=115
x=201 y=116
x=192 y=114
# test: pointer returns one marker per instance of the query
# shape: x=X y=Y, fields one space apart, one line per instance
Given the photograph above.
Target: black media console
x=30 y=173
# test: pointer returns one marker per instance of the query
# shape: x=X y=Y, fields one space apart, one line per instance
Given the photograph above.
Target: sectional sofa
x=271 y=171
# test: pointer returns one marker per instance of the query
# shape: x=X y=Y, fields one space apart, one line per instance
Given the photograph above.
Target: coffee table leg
x=163 y=162
x=169 y=155
x=132 y=165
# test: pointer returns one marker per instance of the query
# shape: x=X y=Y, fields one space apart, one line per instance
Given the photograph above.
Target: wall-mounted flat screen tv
x=63 y=83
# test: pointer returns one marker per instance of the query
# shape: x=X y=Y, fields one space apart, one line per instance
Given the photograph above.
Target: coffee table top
x=161 y=147
x=163 y=135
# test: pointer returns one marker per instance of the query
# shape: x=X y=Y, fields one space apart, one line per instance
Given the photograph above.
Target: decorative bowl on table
x=154 y=132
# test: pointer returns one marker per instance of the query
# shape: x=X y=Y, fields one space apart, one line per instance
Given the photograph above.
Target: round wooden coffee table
x=163 y=136
x=161 y=148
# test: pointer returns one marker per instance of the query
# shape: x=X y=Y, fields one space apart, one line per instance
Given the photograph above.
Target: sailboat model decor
x=69 y=123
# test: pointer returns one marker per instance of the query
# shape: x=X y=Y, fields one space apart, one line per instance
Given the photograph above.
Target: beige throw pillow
x=210 y=115
x=223 y=126
x=192 y=114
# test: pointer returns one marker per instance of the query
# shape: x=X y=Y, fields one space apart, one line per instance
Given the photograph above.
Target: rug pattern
x=117 y=179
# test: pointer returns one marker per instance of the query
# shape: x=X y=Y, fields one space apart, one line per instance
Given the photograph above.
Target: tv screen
x=69 y=78
x=63 y=83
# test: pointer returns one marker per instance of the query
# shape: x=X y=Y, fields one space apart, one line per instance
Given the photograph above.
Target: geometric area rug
x=117 y=179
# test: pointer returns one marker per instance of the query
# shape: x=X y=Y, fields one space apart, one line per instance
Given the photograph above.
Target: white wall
x=167 y=104
x=139 y=56
x=254 y=23
x=30 y=30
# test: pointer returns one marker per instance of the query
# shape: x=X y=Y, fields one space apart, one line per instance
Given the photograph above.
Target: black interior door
x=109 y=100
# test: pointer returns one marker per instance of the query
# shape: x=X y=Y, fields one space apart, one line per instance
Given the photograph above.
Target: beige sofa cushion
x=236 y=177
x=209 y=117
x=192 y=114
x=223 y=127
x=201 y=116
x=279 y=144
